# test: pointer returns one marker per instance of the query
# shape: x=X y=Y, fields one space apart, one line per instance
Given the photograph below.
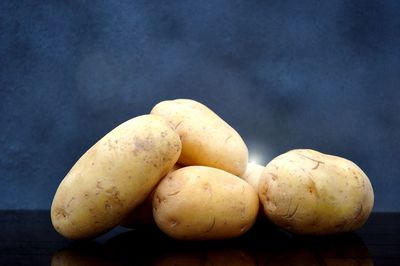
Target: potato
x=308 y=192
x=114 y=176
x=206 y=138
x=199 y=203
x=142 y=215
x=253 y=174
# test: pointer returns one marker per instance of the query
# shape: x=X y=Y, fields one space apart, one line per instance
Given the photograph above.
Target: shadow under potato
x=265 y=245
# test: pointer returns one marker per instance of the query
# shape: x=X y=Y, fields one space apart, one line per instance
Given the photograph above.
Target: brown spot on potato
x=114 y=193
x=274 y=177
x=98 y=185
x=141 y=145
x=312 y=188
x=61 y=212
x=86 y=195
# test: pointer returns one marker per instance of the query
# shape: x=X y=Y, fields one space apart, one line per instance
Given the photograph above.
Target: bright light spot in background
x=260 y=159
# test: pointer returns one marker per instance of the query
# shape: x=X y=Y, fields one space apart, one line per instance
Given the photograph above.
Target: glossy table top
x=27 y=238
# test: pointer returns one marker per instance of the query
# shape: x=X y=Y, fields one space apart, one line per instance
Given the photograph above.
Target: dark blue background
x=300 y=74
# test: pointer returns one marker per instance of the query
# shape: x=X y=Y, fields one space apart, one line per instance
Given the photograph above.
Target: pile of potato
x=185 y=168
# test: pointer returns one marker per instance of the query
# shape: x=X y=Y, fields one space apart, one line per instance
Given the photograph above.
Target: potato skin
x=308 y=192
x=253 y=174
x=199 y=203
x=142 y=215
x=114 y=176
x=206 y=138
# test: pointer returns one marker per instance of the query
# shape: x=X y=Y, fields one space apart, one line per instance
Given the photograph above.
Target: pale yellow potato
x=114 y=176
x=253 y=174
x=308 y=192
x=199 y=202
x=142 y=215
x=206 y=138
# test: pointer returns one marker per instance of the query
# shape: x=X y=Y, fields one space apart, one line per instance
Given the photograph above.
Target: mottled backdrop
x=300 y=74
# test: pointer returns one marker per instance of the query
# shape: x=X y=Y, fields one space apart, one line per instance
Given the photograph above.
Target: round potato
x=308 y=192
x=253 y=174
x=199 y=203
x=206 y=138
x=114 y=176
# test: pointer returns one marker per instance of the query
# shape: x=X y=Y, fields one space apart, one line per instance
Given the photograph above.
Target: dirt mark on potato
x=114 y=194
x=274 y=177
x=141 y=145
x=312 y=188
x=61 y=212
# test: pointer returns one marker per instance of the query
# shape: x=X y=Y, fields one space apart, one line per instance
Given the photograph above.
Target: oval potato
x=308 y=192
x=199 y=202
x=114 y=176
x=206 y=138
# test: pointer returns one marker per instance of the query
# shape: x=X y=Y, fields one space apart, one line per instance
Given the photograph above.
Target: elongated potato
x=308 y=192
x=199 y=202
x=253 y=174
x=114 y=176
x=206 y=138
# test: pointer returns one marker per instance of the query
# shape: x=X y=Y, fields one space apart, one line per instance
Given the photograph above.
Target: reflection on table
x=262 y=246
